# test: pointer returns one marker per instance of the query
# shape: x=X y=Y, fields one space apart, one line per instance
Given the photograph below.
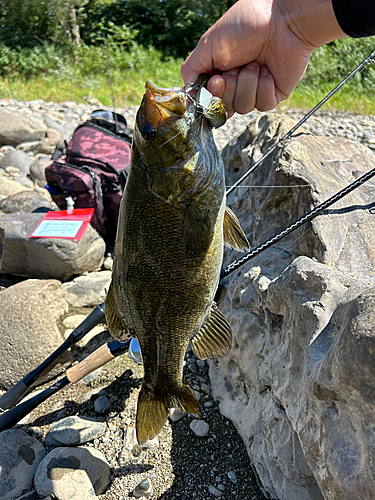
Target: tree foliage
x=172 y=26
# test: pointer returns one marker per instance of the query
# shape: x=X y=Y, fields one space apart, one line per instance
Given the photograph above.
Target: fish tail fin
x=153 y=410
x=183 y=399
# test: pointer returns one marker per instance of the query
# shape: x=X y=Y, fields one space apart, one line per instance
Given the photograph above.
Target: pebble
x=143 y=489
x=199 y=427
x=192 y=367
x=176 y=415
x=232 y=476
x=215 y=491
x=73 y=430
x=101 y=404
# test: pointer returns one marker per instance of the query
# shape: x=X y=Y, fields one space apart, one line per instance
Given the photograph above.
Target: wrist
x=312 y=21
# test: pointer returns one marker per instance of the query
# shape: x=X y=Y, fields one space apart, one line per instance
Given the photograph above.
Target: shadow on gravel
x=201 y=462
x=123 y=385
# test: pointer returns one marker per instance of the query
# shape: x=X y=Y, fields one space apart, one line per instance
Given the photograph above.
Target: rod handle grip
x=94 y=361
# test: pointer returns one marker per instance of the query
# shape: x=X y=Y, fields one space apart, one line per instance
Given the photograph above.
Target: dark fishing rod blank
x=292 y=227
x=95 y=360
x=24 y=386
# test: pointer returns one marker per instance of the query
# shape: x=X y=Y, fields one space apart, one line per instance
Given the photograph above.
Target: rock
x=19 y=458
x=44 y=257
x=215 y=491
x=37 y=171
x=49 y=143
x=26 y=202
x=17 y=127
x=176 y=415
x=30 y=147
x=232 y=476
x=64 y=130
x=9 y=187
x=72 y=431
x=29 y=311
x=18 y=159
x=32 y=495
x=79 y=473
x=143 y=489
x=131 y=452
x=88 y=290
x=74 y=321
x=101 y=404
x=296 y=395
x=199 y=427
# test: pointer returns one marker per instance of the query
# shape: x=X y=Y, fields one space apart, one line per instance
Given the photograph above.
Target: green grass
x=128 y=88
x=345 y=99
x=51 y=74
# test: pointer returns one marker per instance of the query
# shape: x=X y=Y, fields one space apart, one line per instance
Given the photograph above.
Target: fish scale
x=169 y=250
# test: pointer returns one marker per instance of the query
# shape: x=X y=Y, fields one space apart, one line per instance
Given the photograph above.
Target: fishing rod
x=298 y=223
x=369 y=60
x=95 y=360
x=24 y=386
x=318 y=209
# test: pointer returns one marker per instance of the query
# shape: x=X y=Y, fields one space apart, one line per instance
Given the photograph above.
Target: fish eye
x=148 y=132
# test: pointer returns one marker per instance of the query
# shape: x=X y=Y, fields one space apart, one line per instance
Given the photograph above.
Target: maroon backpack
x=93 y=170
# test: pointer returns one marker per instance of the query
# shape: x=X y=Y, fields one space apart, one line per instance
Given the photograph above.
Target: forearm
x=313 y=21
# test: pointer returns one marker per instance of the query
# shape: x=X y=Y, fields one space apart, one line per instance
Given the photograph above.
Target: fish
x=168 y=253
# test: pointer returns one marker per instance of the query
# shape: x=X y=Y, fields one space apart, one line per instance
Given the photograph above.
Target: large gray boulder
x=17 y=127
x=18 y=159
x=9 y=186
x=29 y=312
x=299 y=380
x=57 y=258
x=19 y=459
x=76 y=472
x=26 y=202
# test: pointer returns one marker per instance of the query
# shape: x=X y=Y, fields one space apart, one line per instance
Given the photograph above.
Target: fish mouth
x=161 y=106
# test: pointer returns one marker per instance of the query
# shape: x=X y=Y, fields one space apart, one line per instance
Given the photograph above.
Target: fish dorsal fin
x=115 y=324
x=214 y=339
x=234 y=237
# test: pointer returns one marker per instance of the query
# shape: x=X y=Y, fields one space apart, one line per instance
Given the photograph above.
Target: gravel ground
x=181 y=465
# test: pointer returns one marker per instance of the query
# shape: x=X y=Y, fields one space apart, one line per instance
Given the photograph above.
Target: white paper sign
x=58 y=228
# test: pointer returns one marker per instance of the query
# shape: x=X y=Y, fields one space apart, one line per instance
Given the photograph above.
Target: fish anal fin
x=115 y=324
x=234 y=237
x=153 y=409
x=214 y=339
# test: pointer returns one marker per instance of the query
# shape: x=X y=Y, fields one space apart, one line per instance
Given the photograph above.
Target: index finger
x=192 y=68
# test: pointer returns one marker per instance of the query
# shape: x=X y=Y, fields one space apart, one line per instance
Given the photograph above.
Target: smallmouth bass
x=169 y=248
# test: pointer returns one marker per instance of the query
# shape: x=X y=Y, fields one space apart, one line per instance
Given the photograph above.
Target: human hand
x=258 y=51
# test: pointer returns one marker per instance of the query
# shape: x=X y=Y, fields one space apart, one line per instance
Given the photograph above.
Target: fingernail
x=216 y=85
x=264 y=71
x=253 y=65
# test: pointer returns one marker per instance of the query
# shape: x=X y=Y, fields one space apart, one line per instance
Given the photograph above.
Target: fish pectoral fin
x=115 y=324
x=234 y=237
x=196 y=232
x=214 y=339
x=153 y=410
